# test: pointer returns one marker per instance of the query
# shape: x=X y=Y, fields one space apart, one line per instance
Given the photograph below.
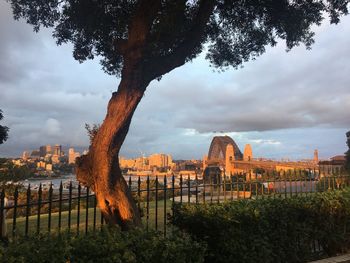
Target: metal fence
x=73 y=208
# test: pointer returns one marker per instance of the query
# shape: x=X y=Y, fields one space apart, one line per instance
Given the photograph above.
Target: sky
x=285 y=104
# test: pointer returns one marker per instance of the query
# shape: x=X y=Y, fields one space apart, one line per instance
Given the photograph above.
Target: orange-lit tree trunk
x=100 y=168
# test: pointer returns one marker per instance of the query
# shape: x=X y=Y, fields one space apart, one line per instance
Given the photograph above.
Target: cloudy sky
x=285 y=104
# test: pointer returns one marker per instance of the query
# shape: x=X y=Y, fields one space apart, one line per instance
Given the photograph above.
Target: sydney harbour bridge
x=225 y=153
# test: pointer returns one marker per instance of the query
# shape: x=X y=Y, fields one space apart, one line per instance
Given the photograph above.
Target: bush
x=270 y=230
x=109 y=245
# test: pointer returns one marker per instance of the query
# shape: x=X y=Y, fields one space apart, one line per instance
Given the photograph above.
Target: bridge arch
x=217 y=150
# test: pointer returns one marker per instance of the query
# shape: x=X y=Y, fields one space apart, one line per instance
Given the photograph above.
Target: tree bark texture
x=100 y=168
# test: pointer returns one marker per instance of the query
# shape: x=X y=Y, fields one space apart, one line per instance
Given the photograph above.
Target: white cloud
x=268 y=142
x=53 y=127
x=284 y=104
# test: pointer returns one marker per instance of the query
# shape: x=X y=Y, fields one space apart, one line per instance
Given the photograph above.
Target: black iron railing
x=26 y=211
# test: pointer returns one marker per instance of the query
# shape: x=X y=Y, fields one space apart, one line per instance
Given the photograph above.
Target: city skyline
x=58 y=96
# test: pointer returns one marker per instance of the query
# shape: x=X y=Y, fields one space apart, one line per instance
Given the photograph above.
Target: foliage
x=109 y=245
x=177 y=30
x=11 y=172
x=3 y=130
x=347 y=154
x=327 y=183
x=92 y=131
x=269 y=230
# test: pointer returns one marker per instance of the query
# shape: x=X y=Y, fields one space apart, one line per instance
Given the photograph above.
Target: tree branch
x=162 y=65
x=140 y=26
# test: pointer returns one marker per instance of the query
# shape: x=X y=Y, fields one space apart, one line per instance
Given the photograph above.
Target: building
x=152 y=163
x=25 y=155
x=160 y=161
x=48 y=149
x=127 y=163
x=49 y=167
x=335 y=165
x=71 y=156
x=35 y=154
x=42 y=151
x=55 y=159
x=41 y=165
x=18 y=162
x=57 y=150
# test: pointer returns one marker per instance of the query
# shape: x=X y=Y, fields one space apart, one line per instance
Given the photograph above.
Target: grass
x=80 y=226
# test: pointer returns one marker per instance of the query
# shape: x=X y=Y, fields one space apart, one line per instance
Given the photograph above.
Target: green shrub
x=109 y=245
x=270 y=230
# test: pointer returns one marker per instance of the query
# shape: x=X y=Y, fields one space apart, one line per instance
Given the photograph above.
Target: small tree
x=141 y=40
x=3 y=130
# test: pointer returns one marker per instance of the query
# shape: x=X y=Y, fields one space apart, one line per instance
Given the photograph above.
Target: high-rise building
x=57 y=150
x=153 y=162
x=160 y=160
x=72 y=155
x=42 y=151
x=48 y=149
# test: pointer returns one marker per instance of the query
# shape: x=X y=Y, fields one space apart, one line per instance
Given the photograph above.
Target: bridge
x=225 y=153
x=223 y=148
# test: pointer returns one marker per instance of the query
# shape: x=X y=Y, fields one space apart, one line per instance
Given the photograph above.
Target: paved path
x=339 y=259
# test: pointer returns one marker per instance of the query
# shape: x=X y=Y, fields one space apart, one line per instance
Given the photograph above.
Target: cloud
x=279 y=90
x=284 y=104
x=269 y=142
x=53 y=127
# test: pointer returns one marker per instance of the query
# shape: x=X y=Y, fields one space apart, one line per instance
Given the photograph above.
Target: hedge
x=270 y=230
x=109 y=245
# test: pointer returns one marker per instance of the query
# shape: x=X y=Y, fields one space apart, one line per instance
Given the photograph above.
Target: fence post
x=139 y=194
x=87 y=210
x=39 y=209
x=147 y=203
x=60 y=207
x=196 y=188
x=165 y=197
x=27 y=210
x=3 y=203
x=78 y=210
x=188 y=188
x=50 y=208
x=156 y=212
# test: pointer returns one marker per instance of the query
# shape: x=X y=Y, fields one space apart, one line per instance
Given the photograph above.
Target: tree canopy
x=231 y=31
x=3 y=130
x=141 y=40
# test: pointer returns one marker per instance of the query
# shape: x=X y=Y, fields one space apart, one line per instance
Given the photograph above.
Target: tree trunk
x=100 y=168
